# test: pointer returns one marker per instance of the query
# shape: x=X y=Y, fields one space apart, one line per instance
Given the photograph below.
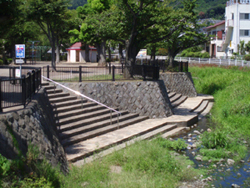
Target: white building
x=236 y=29
x=76 y=54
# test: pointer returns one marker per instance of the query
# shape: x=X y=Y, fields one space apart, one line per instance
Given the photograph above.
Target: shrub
x=176 y=145
x=205 y=55
x=217 y=139
x=247 y=57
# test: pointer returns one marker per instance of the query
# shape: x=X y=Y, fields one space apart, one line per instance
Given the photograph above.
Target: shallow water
x=223 y=175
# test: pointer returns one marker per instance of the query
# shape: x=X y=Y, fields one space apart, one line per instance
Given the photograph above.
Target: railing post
x=220 y=61
x=47 y=71
x=209 y=60
x=113 y=73
x=186 y=66
x=29 y=85
x=229 y=61
x=14 y=74
x=189 y=60
x=242 y=63
x=109 y=67
x=235 y=62
x=1 y=108
x=144 y=72
x=80 y=73
x=199 y=60
x=24 y=90
x=122 y=67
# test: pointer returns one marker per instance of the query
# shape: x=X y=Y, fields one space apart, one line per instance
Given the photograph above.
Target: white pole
x=20 y=70
x=189 y=60
x=242 y=63
x=199 y=60
x=209 y=61
x=180 y=59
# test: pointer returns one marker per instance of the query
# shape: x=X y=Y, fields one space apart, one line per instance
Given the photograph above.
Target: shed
x=77 y=54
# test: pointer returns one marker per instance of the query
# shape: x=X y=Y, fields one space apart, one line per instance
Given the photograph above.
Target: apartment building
x=229 y=33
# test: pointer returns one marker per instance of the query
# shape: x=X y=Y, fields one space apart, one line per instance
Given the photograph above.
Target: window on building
x=244 y=16
x=244 y=33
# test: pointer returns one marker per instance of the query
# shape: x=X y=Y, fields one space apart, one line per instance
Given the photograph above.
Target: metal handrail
x=84 y=96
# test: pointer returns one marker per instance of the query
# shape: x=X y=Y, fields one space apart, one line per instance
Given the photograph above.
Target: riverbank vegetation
x=144 y=164
x=230 y=87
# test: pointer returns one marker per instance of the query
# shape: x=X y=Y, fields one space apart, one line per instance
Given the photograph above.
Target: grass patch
x=230 y=87
x=144 y=164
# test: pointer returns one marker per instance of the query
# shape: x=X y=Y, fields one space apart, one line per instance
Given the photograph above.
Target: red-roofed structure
x=76 y=54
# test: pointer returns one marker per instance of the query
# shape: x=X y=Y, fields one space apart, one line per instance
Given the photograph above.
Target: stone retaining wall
x=33 y=125
x=145 y=98
x=179 y=82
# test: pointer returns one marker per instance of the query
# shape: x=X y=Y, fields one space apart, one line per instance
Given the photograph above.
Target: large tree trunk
x=57 y=51
x=101 y=53
x=171 y=56
x=87 y=53
x=153 y=51
x=131 y=52
x=53 y=46
x=109 y=52
x=120 y=52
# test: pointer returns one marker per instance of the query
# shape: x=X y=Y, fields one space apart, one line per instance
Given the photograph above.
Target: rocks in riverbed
x=235 y=186
x=197 y=132
x=230 y=161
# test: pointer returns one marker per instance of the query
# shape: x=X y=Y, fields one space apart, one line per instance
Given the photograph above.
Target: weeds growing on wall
x=230 y=87
x=29 y=171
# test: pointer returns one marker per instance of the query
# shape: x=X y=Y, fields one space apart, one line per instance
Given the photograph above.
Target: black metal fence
x=18 y=91
x=83 y=73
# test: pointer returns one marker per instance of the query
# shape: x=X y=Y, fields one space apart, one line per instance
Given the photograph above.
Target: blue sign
x=20 y=50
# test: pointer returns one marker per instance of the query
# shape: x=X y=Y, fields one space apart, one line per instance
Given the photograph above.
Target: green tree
x=95 y=29
x=242 y=48
x=248 y=46
x=187 y=36
x=49 y=15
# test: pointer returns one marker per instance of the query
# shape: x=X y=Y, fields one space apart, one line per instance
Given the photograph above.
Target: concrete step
x=175 y=97
x=183 y=120
x=95 y=125
x=49 y=87
x=66 y=104
x=62 y=99
x=58 y=95
x=171 y=94
x=202 y=107
x=123 y=145
x=45 y=83
x=102 y=130
x=52 y=91
x=88 y=147
x=174 y=132
x=74 y=112
x=72 y=107
x=70 y=121
x=179 y=101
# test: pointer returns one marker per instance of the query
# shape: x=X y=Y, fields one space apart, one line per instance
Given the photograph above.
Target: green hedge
x=247 y=57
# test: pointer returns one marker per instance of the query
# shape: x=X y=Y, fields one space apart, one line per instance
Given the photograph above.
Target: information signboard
x=20 y=50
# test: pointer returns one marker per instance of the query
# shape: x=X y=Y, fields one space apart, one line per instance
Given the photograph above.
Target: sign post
x=20 y=55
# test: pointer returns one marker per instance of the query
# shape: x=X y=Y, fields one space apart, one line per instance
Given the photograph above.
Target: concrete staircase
x=86 y=128
x=176 y=99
